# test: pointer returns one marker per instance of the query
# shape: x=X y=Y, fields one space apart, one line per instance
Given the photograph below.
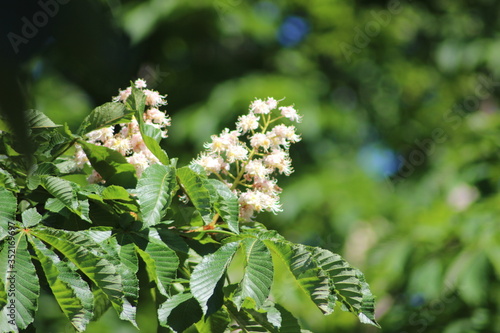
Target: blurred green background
x=398 y=169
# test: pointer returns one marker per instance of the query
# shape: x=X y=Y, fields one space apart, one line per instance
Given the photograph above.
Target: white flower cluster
x=247 y=158
x=128 y=139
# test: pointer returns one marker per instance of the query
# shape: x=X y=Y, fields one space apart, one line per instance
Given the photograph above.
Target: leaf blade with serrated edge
x=37 y=119
x=64 y=191
x=226 y=205
x=17 y=269
x=123 y=256
x=209 y=271
x=8 y=203
x=84 y=255
x=31 y=217
x=310 y=278
x=154 y=191
x=258 y=275
x=108 y=114
x=161 y=262
x=71 y=292
x=193 y=185
x=349 y=285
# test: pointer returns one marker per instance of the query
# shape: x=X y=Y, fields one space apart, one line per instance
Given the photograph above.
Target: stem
x=59 y=153
x=214 y=220
x=214 y=231
x=235 y=318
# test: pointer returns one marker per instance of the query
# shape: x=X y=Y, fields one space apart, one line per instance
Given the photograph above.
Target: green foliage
x=110 y=164
x=154 y=191
x=104 y=116
x=93 y=246
x=21 y=284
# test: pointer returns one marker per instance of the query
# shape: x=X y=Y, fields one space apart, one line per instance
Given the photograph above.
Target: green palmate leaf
x=193 y=185
x=71 y=292
x=84 y=255
x=179 y=312
x=8 y=204
x=7 y=181
x=106 y=115
x=110 y=164
x=349 y=285
x=258 y=276
x=209 y=271
x=154 y=191
x=31 y=217
x=310 y=278
x=21 y=283
x=215 y=323
x=161 y=262
x=64 y=191
x=226 y=204
x=37 y=119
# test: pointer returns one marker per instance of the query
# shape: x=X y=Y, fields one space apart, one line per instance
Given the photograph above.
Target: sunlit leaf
x=209 y=271
x=226 y=204
x=310 y=278
x=349 y=285
x=258 y=275
x=161 y=263
x=199 y=195
x=154 y=191
x=84 y=255
x=31 y=217
x=106 y=115
x=71 y=292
